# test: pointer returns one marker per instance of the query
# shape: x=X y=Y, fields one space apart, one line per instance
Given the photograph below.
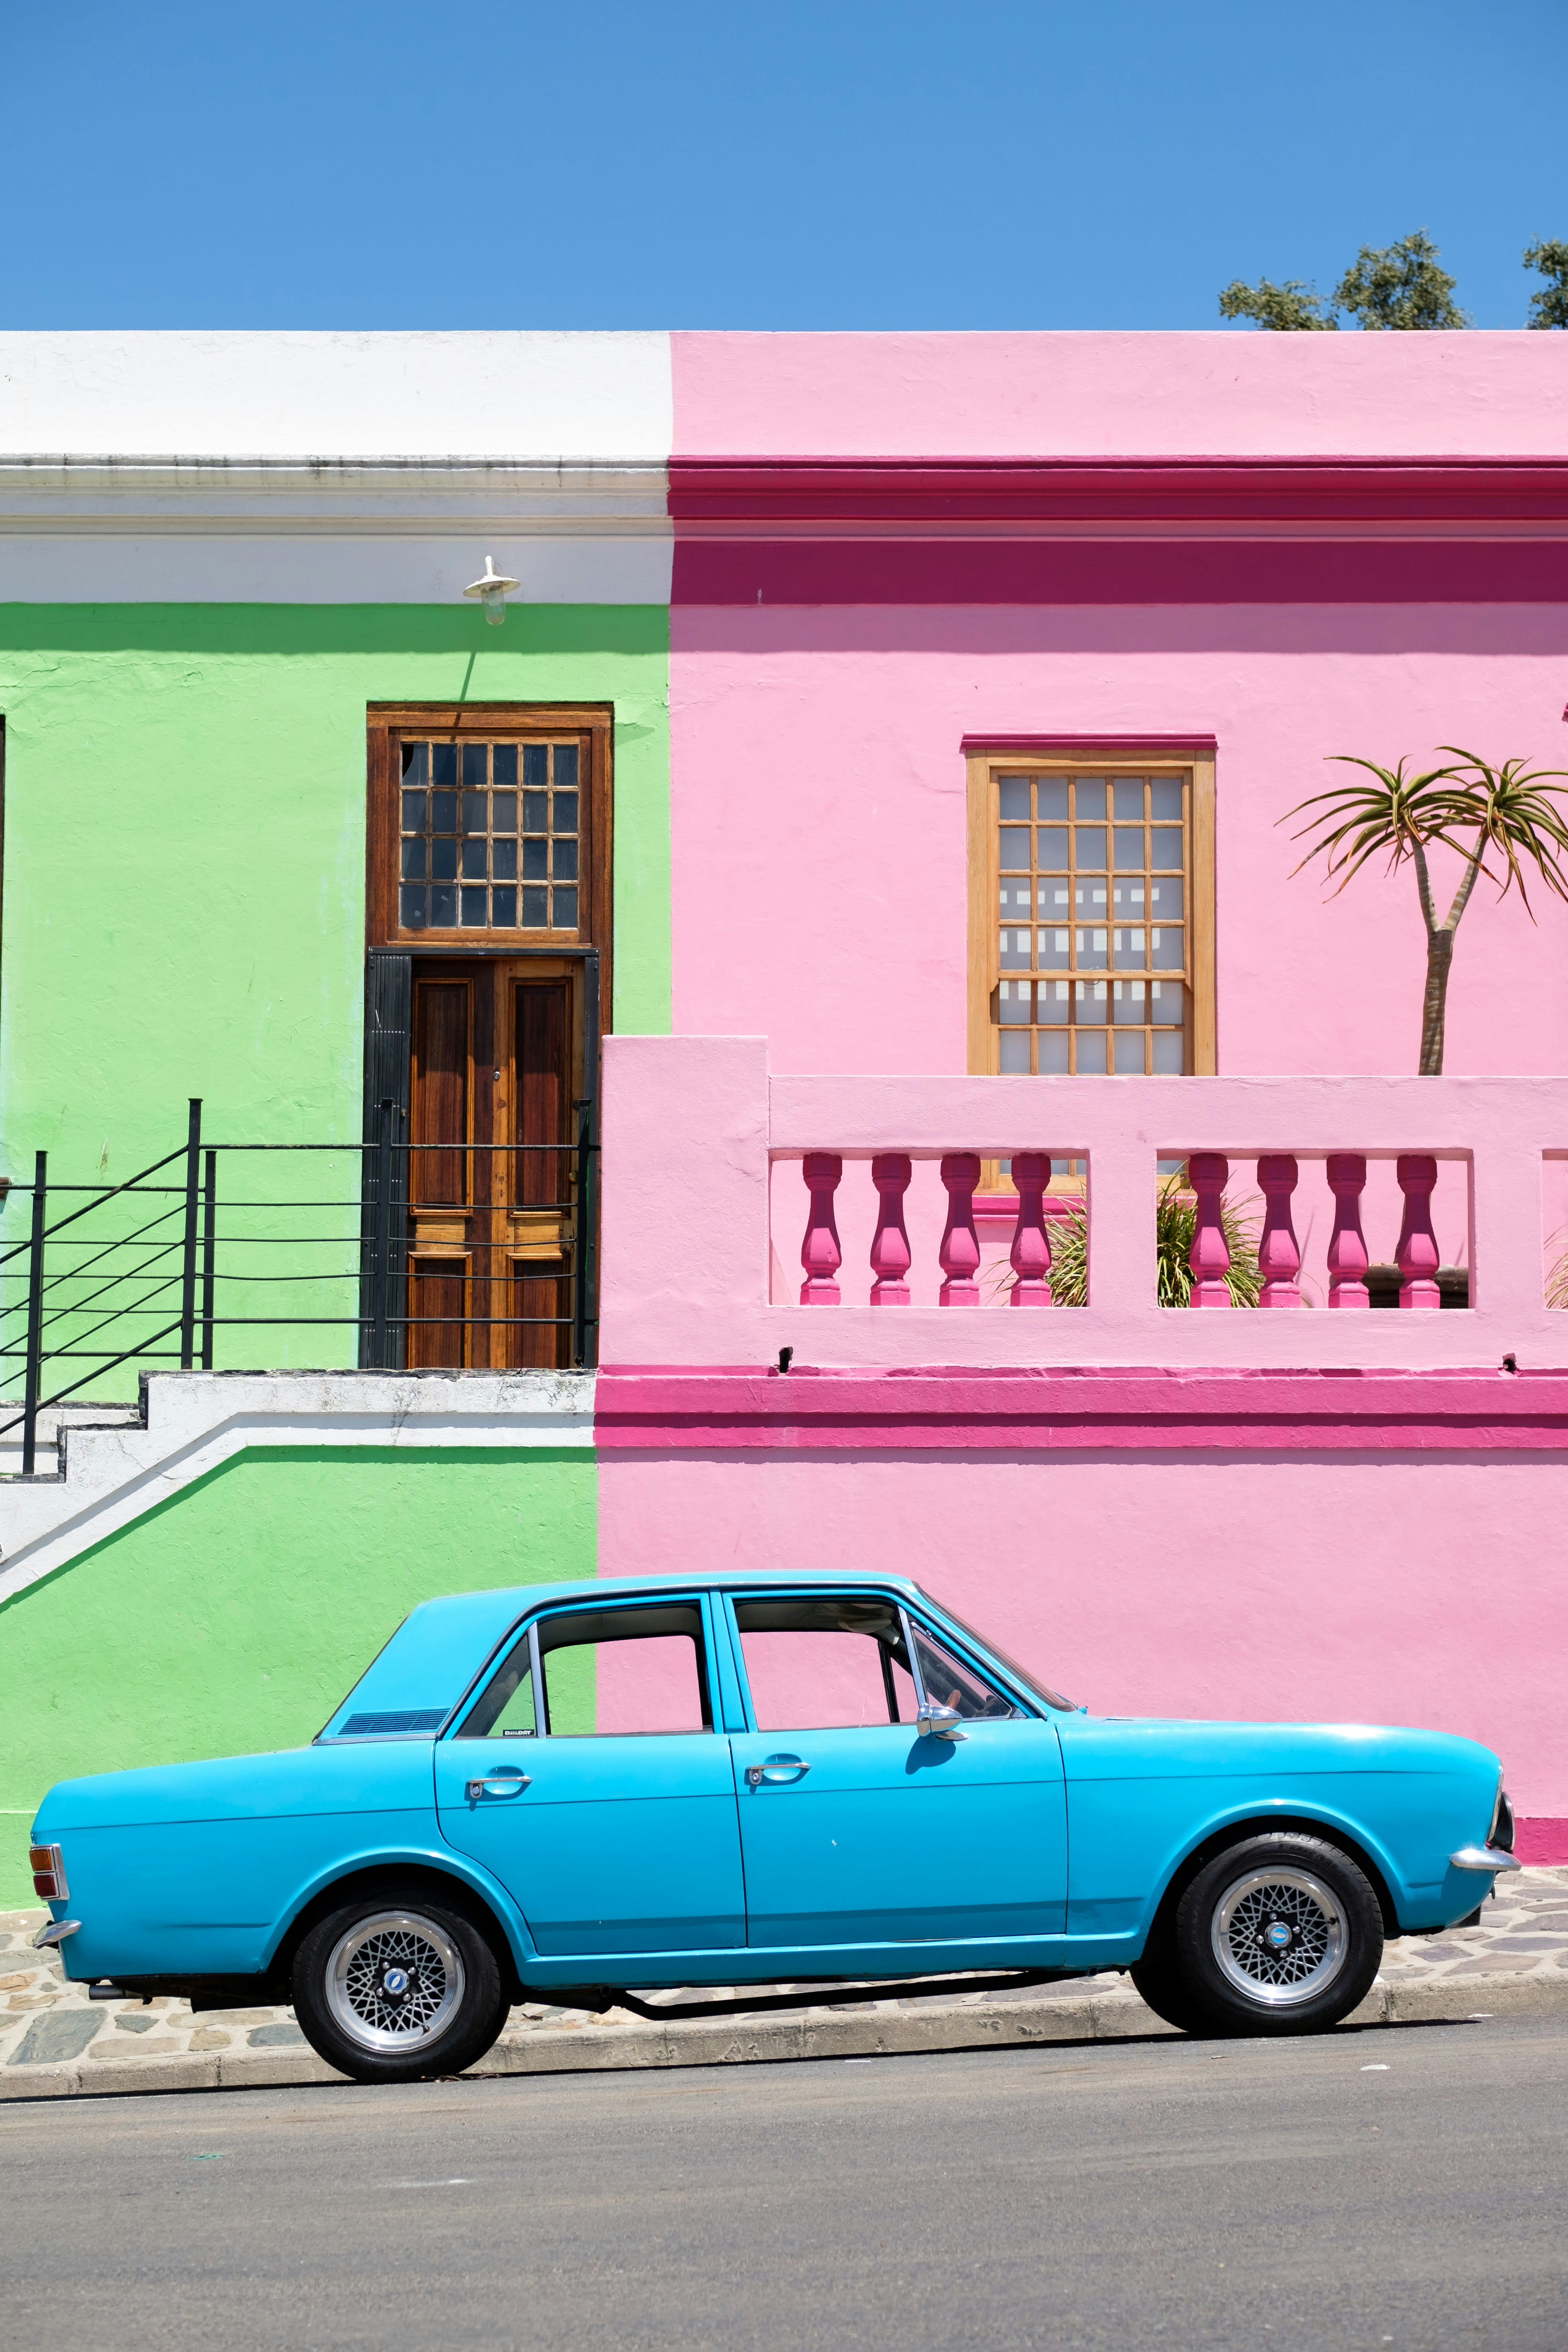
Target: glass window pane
x=565 y=767
x=474 y=908
x=1128 y=849
x=1165 y=902
x=949 y=1682
x=1054 y=950
x=535 y=860
x=1089 y=848
x=1167 y=949
x=1091 y=955
x=476 y=765
x=536 y=765
x=411 y=907
x=444 y=812
x=1051 y=798
x=1169 y=1058
x=1129 y=949
x=1015 y=900
x=444 y=907
x=503 y=860
x=413 y=861
x=1166 y=852
x=503 y=812
x=1089 y=898
x=415 y=763
x=535 y=812
x=1165 y=798
x=414 y=807
x=444 y=860
x=476 y=810
x=1014 y=999
x=1089 y=1048
x=1090 y=1000
x=1013 y=796
x=1055 y=1003
x=1167 y=1000
x=1052 y=841
x=563 y=913
x=1015 y=848
x=1052 y=899
x=1129 y=1055
x=1128 y=803
x=1013 y=1052
x=1127 y=1002
x=503 y=909
x=563 y=861
x=1089 y=797
x=1014 y=951
x=1051 y=1050
x=444 y=765
x=565 y=813
x=534 y=906
x=503 y=766
x=1127 y=898
x=473 y=862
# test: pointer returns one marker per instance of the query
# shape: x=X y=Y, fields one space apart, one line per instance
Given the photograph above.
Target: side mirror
x=939 y=1722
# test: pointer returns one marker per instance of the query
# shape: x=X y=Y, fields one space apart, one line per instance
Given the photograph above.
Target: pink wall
x=1338 y=1588
x=1104 y=395
x=817 y=811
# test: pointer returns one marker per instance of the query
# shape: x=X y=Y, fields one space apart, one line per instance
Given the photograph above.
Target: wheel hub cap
x=394 y=1982
x=1280 y=1937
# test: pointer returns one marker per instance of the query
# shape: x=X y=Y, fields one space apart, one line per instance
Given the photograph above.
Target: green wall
x=235 y=1616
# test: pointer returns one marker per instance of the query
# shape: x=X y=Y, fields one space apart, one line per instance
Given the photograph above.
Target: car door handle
x=779 y=1770
x=504 y=1784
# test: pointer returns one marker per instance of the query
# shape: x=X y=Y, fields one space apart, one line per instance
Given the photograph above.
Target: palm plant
x=1498 y=820
x=1175 y=1213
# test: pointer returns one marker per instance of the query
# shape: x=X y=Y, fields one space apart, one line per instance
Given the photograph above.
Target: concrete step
x=52 y=1420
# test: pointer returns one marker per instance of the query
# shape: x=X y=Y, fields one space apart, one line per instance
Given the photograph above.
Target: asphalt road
x=1403 y=2186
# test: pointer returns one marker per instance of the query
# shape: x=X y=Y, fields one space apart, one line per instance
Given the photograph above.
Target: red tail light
x=48 y=1873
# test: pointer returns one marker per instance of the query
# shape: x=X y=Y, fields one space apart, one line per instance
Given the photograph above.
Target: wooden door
x=496 y=1070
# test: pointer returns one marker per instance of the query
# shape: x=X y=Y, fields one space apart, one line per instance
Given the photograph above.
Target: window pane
x=1013 y=1052
x=1013 y=796
x=951 y=1682
x=415 y=763
x=473 y=862
x=444 y=907
x=1127 y=1002
x=1014 y=951
x=1127 y=898
x=476 y=766
x=1169 y=1053
x=567 y=767
x=1091 y=955
x=1055 y=1002
x=444 y=860
x=1167 y=949
x=563 y=913
x=536 y=765
x=411 y=907
x=1129 y=949
x=1051 y=848
x=1015 y=900
x=565 y=811
x=1089 y=797
x=1165 y=902
x=1089 y=898
x=563 y=861
x=1090 y=1000
x=1054 y=950
x=1165 y=798
x=535 y=860
x=1130 y=1053
x=503 y=860
x=1053 y=898
x=503 y=766
x=413 y=861
x=444 y=765
x=1089 y=848
x=1088 y=1047
x=1166 y=853
x=505 y=1707
x=1128 y=804
x=1051 y=797
x=1167 y=1000
x=476 y=805
x=616 y=1673
x=1014 y=1001
x=444 y=812
x=1051 y=1045
x=817 y=1663
x=1128 y=849
x=414 y=807
x=474 y=909
x=503 y=811
x=534 y=910
x=1014 y=855
x=503 y=909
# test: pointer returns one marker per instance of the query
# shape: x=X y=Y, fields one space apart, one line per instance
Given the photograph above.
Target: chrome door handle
x=496 y=1784
x=778 y=1770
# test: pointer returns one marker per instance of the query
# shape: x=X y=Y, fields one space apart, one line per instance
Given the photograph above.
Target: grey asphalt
x=1402 y=2186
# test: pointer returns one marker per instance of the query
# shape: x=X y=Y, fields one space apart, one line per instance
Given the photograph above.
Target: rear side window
x=599 y=1673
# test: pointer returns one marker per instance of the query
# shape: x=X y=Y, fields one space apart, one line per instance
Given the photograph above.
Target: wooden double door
x=495 y=1053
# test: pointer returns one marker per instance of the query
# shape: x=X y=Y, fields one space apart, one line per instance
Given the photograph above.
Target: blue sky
x=837 y=164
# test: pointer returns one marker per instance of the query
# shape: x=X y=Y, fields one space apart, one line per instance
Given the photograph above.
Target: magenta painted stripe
x=1543 y=1840
x=1112 y=744
x=1054 y=1410
x=898 y=570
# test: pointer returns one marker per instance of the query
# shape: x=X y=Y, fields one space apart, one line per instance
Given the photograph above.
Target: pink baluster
x=1208 y=1172
x=891 y=1173
x=819 y=1252
x=1279 y=1251
x=1031 y=1252
x=960 y=1250
x=1347 y=1244
x=1417 y=1251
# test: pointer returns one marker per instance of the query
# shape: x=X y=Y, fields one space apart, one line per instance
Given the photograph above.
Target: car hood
x=1172 y=1743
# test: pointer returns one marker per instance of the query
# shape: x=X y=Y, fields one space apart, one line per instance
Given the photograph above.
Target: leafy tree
x=1400 y=286
x=1511 y=814
x=1289 y=310
x=1549 y=305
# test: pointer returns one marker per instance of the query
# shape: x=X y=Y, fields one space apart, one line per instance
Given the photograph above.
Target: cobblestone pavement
x=47 y=2023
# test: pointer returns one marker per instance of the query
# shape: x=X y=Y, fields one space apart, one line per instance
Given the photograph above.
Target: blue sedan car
x=577 y=1789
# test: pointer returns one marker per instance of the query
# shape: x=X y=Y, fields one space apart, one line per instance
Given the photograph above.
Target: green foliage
x=1400 y=286
x=1175 y=1217
x=1290 y=309
x=1549 y=307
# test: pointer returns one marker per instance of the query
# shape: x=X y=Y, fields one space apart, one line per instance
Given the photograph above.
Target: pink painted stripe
x=1543 y=1840
x=1045 y=572
x=1054 y=1410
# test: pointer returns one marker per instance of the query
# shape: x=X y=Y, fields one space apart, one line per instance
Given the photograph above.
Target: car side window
x=828 y=1663
x=948 y=1681
x=604 y=1672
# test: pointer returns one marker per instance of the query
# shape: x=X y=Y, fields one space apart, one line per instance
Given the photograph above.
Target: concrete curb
x=722 y=2042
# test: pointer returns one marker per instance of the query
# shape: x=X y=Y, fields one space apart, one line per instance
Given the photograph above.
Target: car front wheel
x=398 y=1987
x=1279 y=1934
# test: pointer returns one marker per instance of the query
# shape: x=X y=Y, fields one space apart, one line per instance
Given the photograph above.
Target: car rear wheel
x=397 y=1987
x=1279 y=1934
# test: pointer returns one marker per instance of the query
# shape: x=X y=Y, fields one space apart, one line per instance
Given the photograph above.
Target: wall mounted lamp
x=492 y=589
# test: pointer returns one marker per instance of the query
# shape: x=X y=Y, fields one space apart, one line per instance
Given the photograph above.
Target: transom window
x=488 y=836
x=1088 y=961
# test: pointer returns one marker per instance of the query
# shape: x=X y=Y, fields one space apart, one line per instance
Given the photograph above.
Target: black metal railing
x=143 y=1272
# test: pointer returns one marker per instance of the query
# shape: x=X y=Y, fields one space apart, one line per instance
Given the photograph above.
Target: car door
x=588 y=1775
x=859 y=1829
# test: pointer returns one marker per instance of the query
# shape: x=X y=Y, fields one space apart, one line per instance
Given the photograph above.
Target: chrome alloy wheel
x=394 y=1982
x=1280 y=1937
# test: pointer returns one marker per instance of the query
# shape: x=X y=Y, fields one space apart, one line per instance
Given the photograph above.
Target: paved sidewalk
x=55 y=2043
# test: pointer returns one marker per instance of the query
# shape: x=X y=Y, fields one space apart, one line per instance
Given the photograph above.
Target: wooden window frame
x=389 y=723
x=1106 y=756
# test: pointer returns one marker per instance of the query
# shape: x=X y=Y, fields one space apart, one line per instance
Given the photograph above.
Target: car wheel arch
x=372 y=1879
x=1229 y=1833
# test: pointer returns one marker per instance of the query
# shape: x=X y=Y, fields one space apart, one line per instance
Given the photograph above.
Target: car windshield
x=1020 y=1673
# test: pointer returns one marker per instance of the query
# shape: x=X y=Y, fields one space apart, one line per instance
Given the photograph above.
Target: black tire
x=1161 y=1987
x=1279 y=1934
x=398 y=1986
